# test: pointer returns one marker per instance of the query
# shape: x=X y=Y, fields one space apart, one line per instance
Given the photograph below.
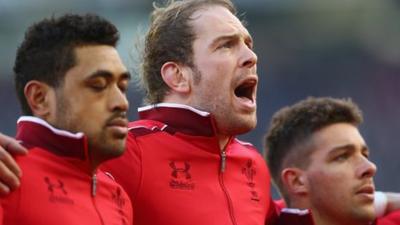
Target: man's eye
x=341 y=157
x=98 y=86
x=123 y=87
x=250 y=46
x=227 y=44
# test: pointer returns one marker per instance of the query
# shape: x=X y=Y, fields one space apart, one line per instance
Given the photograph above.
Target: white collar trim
x=37 y=120
x=173 y=105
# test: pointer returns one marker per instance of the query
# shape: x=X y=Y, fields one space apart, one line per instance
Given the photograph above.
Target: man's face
x=340 y=176
x=226 y=66
x=92 y=100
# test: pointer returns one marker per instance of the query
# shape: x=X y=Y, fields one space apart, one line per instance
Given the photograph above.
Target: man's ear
x=176 y=77
x=294 y=180
x=37 y=95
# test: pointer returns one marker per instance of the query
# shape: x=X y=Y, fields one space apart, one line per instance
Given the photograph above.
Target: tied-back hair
x=170 y=38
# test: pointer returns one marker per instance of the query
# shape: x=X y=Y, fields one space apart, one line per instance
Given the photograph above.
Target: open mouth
x=246 y=89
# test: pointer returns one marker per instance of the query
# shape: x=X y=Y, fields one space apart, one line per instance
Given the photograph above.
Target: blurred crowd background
x=341 y=48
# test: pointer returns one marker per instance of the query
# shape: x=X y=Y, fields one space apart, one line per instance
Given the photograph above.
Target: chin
x=250 y=124
x=367 y=214
x=116 y=141
x=119 y=147
x=114 y=148
x=245 y=128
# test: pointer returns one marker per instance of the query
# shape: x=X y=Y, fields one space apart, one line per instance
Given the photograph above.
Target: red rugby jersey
x=57 y=186
x=176 y=173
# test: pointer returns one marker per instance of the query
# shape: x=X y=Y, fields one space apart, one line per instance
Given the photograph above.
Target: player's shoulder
x=143 y=127
x=37 y=158
x=244 y=144
x=247 y=147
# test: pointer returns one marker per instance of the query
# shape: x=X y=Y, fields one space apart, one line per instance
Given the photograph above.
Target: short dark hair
x=292 y=126
x=47 y=51
x=170 y=38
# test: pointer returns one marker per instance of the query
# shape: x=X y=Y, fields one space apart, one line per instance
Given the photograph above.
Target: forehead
x=216 y=20
x=333 y=136
x=92 y=58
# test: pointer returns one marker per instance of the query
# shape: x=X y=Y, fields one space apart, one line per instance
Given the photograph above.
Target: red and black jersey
x=175 y=172
x=58 y=186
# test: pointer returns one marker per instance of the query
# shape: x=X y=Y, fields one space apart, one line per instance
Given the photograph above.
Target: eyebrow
x=351 y=147
x=108 y=75
x=230 y=37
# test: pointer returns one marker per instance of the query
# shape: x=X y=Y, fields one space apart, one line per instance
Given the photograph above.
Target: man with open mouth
x=200 y=77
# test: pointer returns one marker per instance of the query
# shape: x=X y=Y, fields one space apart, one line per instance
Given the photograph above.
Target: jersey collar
x=35 y=132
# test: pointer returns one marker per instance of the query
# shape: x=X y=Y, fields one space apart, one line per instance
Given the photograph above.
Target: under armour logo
x=58 y=185
x=184 y=170
x=180 y=176
x=58 y=192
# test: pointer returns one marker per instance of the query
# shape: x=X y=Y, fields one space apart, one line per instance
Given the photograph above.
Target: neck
x=223 y=141
x=321 y=218
x=324 y=218
x=93 y=166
